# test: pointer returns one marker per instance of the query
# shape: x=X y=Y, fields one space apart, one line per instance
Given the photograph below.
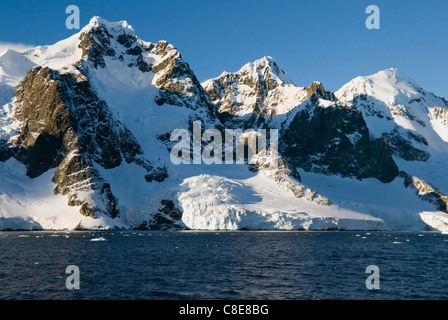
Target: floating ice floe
x=98 y=239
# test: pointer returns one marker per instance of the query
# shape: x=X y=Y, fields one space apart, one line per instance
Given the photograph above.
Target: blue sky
x=320 y=40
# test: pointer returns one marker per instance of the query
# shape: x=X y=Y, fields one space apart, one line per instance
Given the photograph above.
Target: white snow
x=285 y=98
x=281 y=99
x=256 y=202
x=405 y=106
x=439 y=121
x=99 y=239
x=396 y=206
x=13 y=67
x=29 y=204
x=396 y=96
x=436 y=220
x=19 y=47
x=223 y=197
x=257 y=68
x=9 y=128
x=61 y=55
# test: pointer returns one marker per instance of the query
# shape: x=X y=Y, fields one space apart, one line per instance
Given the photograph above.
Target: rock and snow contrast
x=85 y=141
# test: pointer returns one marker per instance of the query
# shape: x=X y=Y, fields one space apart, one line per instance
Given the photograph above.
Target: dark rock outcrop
x=100 y=42
x=426 y=191
x=317 y=91
x=168 y=216
x=66 y=126
x=178 y=84
x=336 y=140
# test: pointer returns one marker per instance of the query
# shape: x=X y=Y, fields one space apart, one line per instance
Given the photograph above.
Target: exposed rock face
x=178 y=84
x=402 y=144
x=398 y=109
x=285 y=178
x=317 y=91
x=439 y=119
x=426 y=191
x=72 y=116
x=247 y=91
x=98 y=43
x=166 y=217
x=324 y=136
x=5 y=151
x=66 y=126
x=335 y=140
x=439 y=113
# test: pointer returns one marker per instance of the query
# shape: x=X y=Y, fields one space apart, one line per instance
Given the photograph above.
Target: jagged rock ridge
x=97 y=111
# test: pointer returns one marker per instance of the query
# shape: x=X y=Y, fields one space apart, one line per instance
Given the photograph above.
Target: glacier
x=150 y=90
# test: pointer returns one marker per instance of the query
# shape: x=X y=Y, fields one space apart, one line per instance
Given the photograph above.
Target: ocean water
x=242 y=265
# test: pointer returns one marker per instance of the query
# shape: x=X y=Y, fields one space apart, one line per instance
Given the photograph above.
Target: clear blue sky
x=322 y=40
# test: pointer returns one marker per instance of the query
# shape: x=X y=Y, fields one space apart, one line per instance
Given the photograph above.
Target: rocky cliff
x=85 y=141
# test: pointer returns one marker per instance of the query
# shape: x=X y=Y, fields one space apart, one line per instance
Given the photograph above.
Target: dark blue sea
x=242 y=265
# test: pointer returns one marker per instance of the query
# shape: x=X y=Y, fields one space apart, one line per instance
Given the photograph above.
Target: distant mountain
x=86 y=137
x=251 y=89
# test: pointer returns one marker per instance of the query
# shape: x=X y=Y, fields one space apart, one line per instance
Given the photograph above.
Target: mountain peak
x=87 y=141
x=265 y=67
x=254 y=89
x=116 y=40
x=95 y=41
x=386 y=85
x=396 y=76
x=264 y=61
x=97 y=21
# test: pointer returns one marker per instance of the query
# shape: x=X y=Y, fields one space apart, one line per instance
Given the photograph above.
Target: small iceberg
x=98 y=239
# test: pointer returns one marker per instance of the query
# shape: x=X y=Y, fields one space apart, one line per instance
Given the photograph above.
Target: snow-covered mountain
x=383 y=126
x=85 y=128
x=411 y=119
x=252 y=88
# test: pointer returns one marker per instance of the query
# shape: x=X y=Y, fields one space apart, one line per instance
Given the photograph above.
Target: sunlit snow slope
x=85 y=129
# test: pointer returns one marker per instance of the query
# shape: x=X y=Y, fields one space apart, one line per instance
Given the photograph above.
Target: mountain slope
x=86 y=132
x=396 y=107
x=383 y=126
x=247 y=90
x=62 y=122
x=412 y=120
